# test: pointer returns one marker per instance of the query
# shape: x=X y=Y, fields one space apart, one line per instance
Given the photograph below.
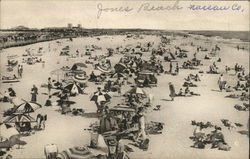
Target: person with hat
x=34 y=92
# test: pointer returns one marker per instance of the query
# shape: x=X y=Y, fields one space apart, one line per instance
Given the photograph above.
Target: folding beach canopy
x=76 y=153
x=19 y=118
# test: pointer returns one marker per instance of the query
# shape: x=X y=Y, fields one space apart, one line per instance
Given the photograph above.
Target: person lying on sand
x=190 y=93
x=229 y=89
x=206 y=57
x=180 y=93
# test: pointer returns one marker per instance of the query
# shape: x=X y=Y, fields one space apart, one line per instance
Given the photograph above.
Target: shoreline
x=225 y=35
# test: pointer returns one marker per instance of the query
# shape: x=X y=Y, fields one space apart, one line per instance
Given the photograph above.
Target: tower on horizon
x=79 y=25
x=69 y=25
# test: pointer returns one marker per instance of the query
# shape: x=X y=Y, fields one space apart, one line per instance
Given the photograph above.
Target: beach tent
x=76 y=153
x=73 y=88
x=7 y=130
x=27 y=107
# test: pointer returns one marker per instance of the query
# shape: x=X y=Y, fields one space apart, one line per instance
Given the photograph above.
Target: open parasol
x=27 y=107
x=100 y=97
x=19 y=118
x=76 y=153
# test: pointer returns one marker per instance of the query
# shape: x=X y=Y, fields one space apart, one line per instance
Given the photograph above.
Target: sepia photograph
x=116 y=79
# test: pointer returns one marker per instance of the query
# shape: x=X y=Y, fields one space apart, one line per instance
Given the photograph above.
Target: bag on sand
x=200 y=145
x=144 y=144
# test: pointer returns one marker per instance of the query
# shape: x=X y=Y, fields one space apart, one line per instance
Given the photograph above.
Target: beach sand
x=67 y=131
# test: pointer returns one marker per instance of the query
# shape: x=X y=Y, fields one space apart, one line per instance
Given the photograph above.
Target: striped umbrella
x=76 y=153
x=27 y=107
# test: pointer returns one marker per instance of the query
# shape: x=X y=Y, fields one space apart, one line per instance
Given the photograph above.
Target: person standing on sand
x=221 y=82
x=34 y=93
x=18 y=71
x=172 y=91
x=21 y=71
x=49 y=86
x=236 y=68
x=141 y=124
x=177 y=68
x=170 y=67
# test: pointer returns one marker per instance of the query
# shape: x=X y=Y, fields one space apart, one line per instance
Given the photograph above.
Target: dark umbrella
x=77 y=65
x=100 y=97
x=120 y=67
x=73 y=88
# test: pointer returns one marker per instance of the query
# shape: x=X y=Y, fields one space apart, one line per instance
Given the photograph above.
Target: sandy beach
x=68 y=131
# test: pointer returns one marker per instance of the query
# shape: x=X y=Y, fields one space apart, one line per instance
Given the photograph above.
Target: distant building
x=70 y=25
x=79 y=25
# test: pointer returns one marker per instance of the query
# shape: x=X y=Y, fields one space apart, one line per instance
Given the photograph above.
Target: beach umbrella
x=19 y=118
x=100 y=97
x=73 y=88
x=76 y=153
x=80 y=77
x=115 y=75
x=120 y=67
x=78 y=66
x=27 y=107
x=6 y=130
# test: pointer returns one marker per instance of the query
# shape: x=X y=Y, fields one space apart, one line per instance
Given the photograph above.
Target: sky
x=56 y=13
